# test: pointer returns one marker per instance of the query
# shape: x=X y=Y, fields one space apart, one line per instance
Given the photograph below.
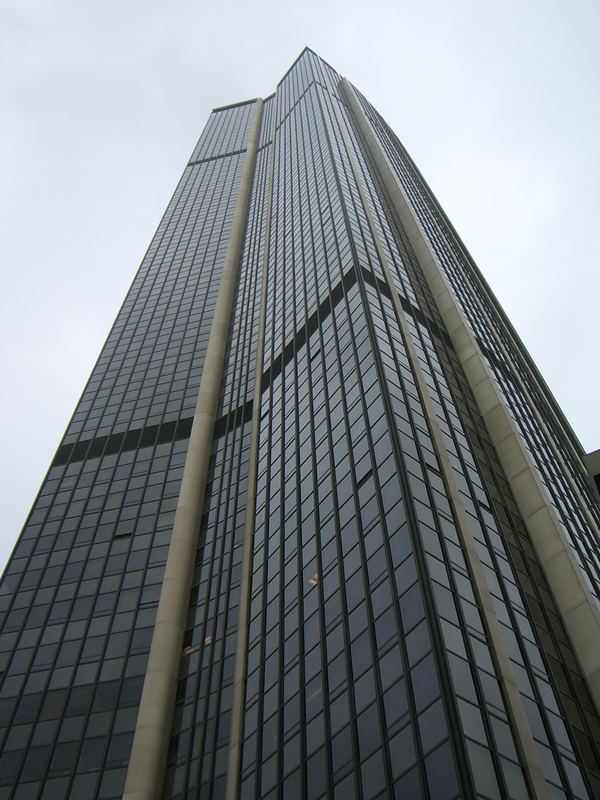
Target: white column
x=145 y=775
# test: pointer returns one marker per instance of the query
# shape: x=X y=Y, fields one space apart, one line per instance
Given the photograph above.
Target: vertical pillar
x=241 y=652
x=145 y=775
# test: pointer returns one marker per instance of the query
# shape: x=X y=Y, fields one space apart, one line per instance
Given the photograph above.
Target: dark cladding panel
x=226 y=132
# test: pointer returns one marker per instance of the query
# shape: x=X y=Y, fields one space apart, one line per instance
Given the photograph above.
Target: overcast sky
x=102 y=102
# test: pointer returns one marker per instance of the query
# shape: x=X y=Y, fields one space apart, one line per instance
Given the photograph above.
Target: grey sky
x=101 y=103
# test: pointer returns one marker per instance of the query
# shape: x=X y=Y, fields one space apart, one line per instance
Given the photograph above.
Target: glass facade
x=363 y=570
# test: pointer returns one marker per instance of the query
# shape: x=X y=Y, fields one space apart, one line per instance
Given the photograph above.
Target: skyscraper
x=317 y=528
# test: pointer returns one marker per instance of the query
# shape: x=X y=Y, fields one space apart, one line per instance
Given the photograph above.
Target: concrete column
x=241 y=655
x=521 y=725
x=575 y=603
x=145 y=775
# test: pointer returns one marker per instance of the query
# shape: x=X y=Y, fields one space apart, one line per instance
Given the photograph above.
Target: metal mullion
x=352 y=722
x=88 y=620
x=326 y=717
x=430 y=609
x=181 y=271
x=183 y=183
x=168 y=295
x=223 y=577
x=390 y=570
x=203 y=622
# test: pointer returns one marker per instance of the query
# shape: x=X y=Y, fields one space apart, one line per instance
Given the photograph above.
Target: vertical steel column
x=147 y=762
